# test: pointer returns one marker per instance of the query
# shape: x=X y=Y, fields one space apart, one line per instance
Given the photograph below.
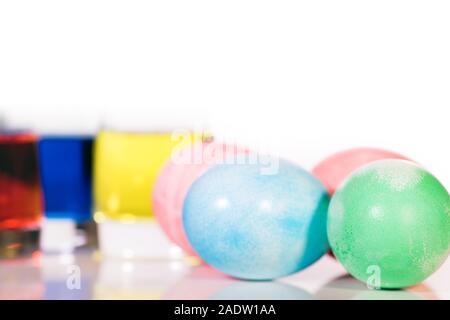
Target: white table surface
x=47 y=277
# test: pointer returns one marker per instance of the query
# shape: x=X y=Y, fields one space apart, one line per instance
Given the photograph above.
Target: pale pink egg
x=177 y=176
x=333 y=170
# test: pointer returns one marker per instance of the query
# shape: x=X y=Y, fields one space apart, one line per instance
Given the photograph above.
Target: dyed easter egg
x=333 y=170
x=175 y=179
x=389 y=224
x=253 y=223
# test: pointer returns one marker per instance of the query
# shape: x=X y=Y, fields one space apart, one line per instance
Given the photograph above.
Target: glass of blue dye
x=66 y=174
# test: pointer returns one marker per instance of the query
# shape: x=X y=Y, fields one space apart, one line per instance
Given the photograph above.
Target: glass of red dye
x=21 y=206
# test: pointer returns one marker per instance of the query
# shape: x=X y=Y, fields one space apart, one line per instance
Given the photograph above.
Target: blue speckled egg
x=254 y=224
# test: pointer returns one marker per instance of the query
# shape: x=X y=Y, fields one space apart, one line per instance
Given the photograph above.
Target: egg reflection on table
x=255 y=290
x=347 y=288
x=199 y=283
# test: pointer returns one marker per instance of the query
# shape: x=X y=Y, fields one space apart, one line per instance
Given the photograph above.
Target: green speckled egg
x=389 y=224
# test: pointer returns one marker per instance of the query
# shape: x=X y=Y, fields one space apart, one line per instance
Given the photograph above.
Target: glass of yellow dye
x=126 y=166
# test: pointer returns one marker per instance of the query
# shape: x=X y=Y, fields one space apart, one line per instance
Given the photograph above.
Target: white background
x=303 y=79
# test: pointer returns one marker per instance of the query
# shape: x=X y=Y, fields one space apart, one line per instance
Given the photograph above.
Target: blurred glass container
x=20 y=193
x=126 y=167
x=66 y=172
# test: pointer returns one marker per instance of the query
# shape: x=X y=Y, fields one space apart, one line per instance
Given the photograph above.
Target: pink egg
x=335 y=169
x=176 y=178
